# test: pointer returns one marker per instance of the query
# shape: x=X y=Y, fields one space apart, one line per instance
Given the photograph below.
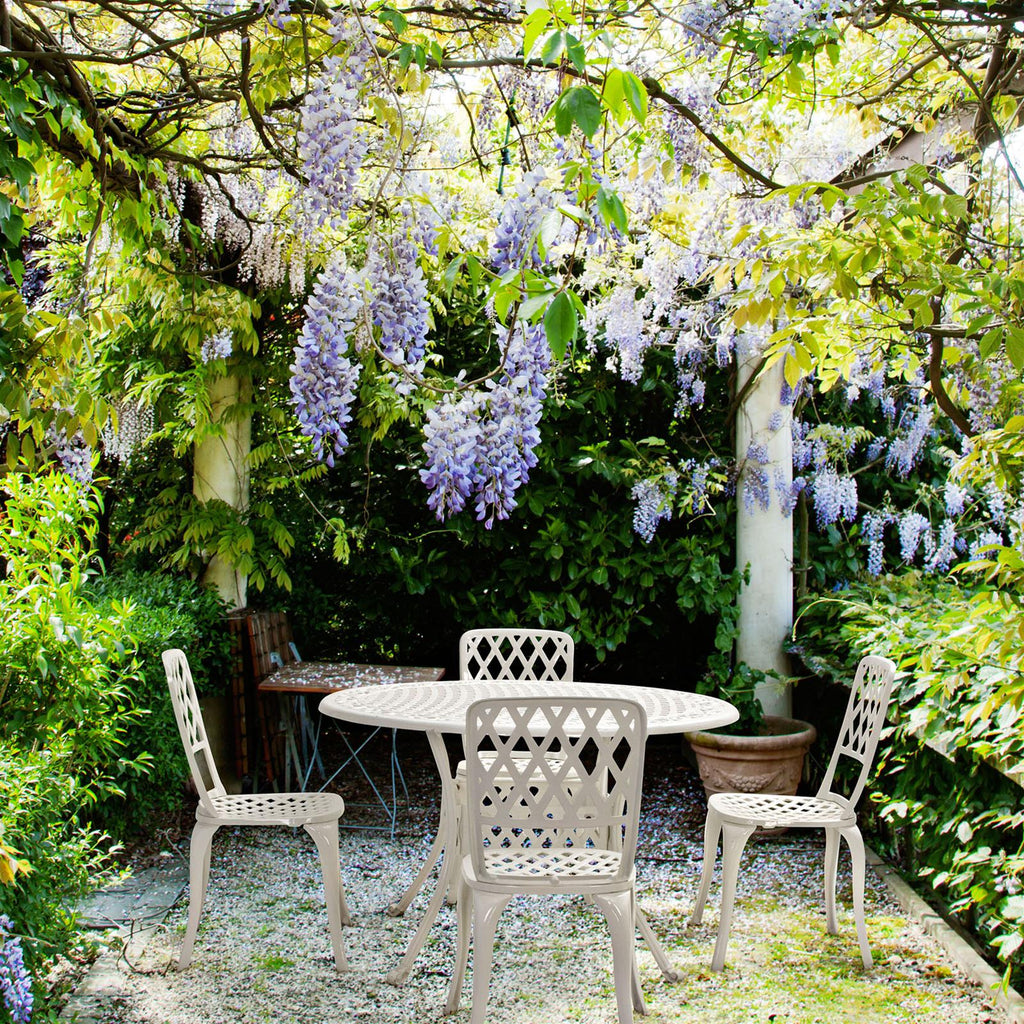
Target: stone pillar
x=222 y=472
x=764 y=537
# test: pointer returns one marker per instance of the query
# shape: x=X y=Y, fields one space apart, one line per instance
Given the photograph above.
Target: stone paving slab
x=130 y=911
x=133 y=902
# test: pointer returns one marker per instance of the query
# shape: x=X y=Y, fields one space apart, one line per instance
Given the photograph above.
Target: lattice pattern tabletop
x=441 y=706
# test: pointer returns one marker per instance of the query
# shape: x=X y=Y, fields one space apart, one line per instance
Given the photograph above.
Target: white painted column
x=222 y=472
x=764 y=537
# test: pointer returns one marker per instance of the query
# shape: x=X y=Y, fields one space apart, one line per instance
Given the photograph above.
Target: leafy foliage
x=158 y=611
x=945 y=790
x=65 y=707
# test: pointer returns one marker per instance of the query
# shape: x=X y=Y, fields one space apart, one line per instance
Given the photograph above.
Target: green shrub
x=949 y=812
x=65 y=707
x=159 y=610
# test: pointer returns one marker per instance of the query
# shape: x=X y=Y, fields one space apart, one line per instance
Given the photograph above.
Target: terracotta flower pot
x=769 y=763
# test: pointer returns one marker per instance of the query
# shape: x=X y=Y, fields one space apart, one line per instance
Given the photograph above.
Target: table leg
x=446 y=841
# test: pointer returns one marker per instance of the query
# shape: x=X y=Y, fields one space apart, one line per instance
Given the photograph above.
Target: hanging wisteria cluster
x=15 y=983
x=217 y=346
x=398 y=299
x=75 y=455
x=324 y=377
x=482 y=442
x=330 y=143
x=522 y=216
x=653 y=504
x=134 y=425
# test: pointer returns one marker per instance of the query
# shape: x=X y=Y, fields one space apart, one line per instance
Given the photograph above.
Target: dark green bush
x=568 y=557
x=159 y=610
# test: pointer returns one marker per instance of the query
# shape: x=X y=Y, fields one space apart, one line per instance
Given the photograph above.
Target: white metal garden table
x=437 y=708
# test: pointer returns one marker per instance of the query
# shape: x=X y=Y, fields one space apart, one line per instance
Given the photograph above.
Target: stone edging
x=961 y=951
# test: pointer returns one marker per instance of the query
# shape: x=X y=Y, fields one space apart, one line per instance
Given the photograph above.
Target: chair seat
x=292 y=809
x=771 y=810
x=550 y=869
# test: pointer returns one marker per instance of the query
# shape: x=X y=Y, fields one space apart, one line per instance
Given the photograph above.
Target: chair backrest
x=192 y=729
x=516 y=654
x=862 y=725
x=518 y=798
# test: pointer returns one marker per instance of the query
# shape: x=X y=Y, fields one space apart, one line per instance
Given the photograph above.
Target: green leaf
x=560 y=324
x=1015 y=347
x=990 y=342
x=397 y=20
x=536 y=22
x=575 y=51
x=614 y=96
x=636 y=95
x=577 y=105
x=611 y=210
x=552 y=47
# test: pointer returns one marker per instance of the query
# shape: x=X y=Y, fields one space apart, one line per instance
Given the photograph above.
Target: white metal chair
x=317 y=813
x=573 y=832
x=511 y=654
x=500 y=653
x=735 y=816
x=515 y=654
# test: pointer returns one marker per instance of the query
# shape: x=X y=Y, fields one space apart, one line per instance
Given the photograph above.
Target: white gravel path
x=263 y=952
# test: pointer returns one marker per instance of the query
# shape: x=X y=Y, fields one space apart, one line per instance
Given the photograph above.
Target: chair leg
x=734 y=838
x=856 y=845
x=464 y=916
x=831 y=865
x=199 y=873
x=712 y=830
x=487 y=908
x=618 y=910
x=325 y=835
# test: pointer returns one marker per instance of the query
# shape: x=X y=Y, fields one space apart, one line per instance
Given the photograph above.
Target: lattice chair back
x=516 y=654
x=862 y=726
x=192 y=730
x=523 y=802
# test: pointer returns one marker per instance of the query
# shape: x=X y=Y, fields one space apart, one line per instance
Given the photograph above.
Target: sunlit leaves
x=577 y=105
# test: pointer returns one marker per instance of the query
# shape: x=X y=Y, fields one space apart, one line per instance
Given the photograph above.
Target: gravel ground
x=263 y=952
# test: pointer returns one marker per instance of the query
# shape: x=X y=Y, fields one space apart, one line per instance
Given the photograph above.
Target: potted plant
x=758 y=753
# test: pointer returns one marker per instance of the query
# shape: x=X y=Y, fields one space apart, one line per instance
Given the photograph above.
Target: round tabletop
x=442 y=706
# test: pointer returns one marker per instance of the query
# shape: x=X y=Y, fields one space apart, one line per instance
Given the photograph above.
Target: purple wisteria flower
x=331 y=146
x=905 y=448
x=323 y=377
x=653 y=504
x=15 y=983
x=76 y=456
x=986 y=538
x=913 y=527
x=522 y=215
x=482 y=443
x=873 y=529
x=451 y=437
x=996 y=499
x=789 y=491
x=945 y=550
x=955 y=498
x=398 y=300
x=835 y=497
x=218 y=346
